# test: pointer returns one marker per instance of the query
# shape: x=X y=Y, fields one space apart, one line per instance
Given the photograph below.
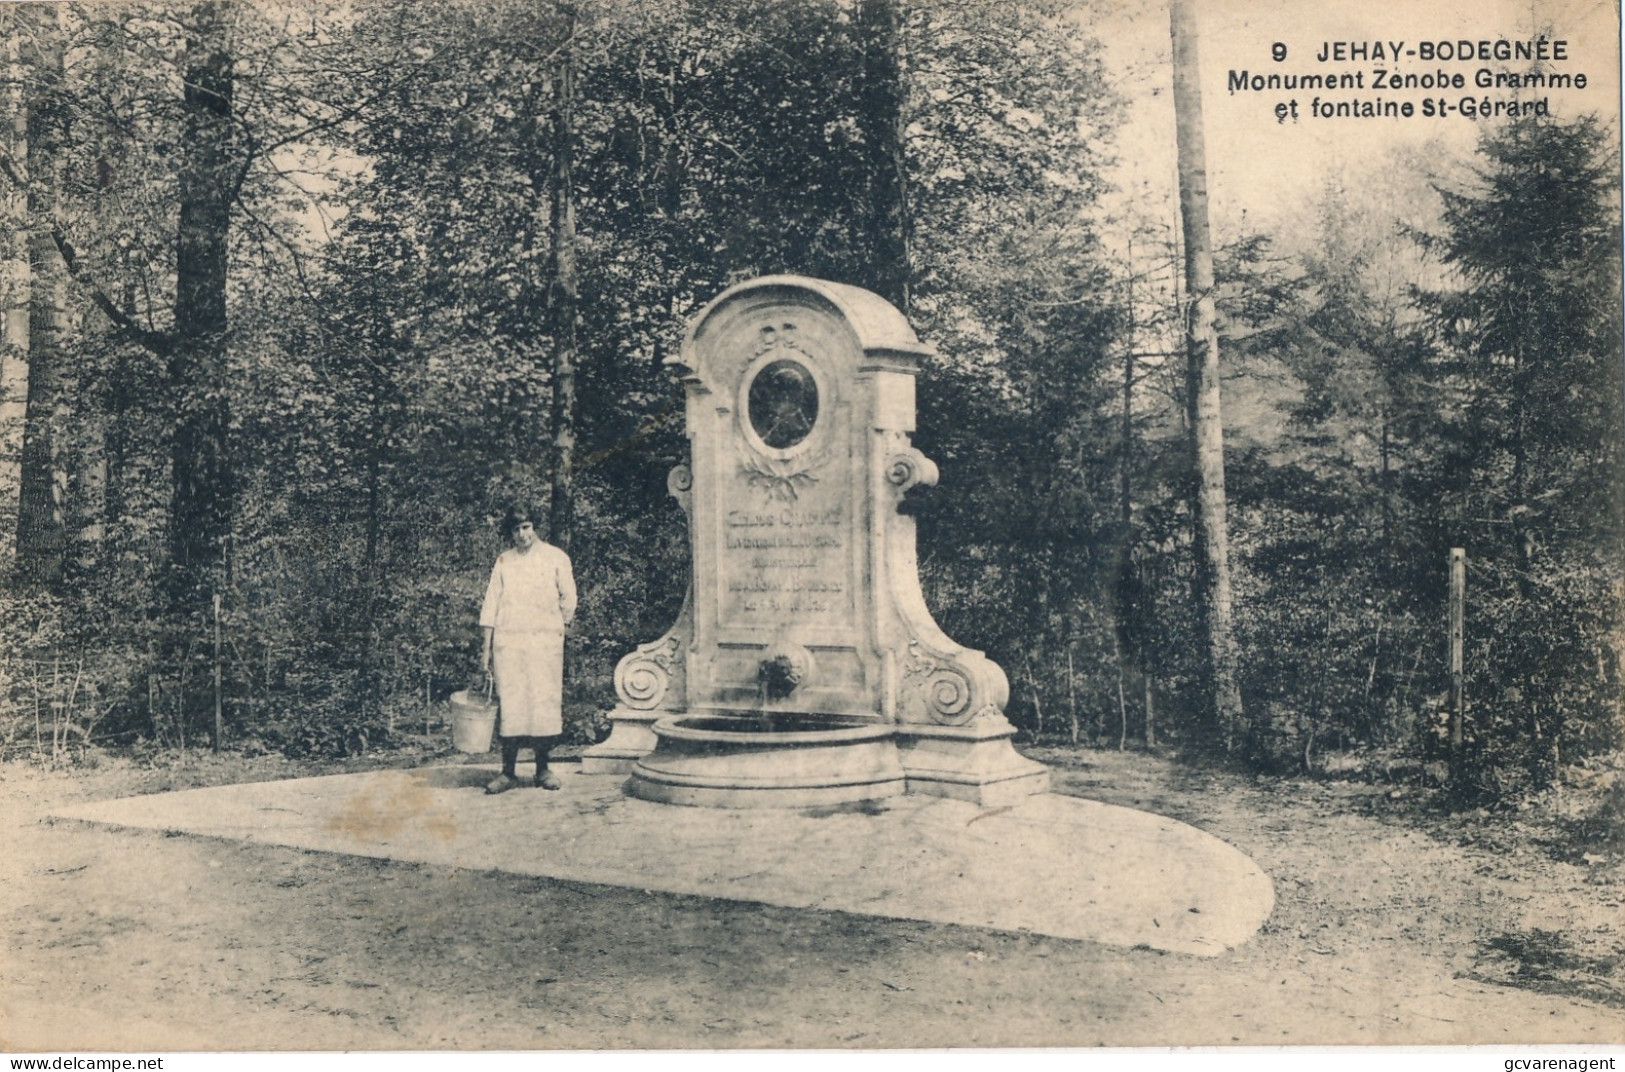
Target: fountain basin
x=779 y=760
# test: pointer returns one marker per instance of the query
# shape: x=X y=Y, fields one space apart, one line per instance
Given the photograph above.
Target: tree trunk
x=880 y=113
x=1150 y=712
x=1122 y=703
x=14 y=316
x=377 y=438
x=203 y=477
x=1211 y=582
x=1125 y=629
x=1071 y=693
x=120 y=450
x=42 y=490
x=562 y=300
x=1125 y=473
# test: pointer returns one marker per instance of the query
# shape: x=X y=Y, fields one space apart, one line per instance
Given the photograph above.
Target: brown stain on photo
x=386 y=806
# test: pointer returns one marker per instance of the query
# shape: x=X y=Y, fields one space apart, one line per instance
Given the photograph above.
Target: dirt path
x=1387 y=930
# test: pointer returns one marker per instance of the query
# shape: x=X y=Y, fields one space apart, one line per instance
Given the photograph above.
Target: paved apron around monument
x=1052 y=865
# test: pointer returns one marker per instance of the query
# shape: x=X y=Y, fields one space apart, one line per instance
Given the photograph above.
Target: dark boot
x=545 y=779
x=509 y=778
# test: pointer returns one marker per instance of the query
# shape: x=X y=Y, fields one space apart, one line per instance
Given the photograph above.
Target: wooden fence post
x=219 y=722
x=1458 y=699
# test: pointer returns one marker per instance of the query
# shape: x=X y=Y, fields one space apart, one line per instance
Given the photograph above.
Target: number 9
x=1278 y=51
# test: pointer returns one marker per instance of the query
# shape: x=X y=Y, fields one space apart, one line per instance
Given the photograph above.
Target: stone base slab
x=975 y=763
x=732 y=768
x=1050 y=864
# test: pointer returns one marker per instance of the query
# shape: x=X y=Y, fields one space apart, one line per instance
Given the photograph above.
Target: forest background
x=299 y=297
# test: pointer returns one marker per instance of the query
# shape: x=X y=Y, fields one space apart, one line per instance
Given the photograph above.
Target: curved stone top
x=876 y=322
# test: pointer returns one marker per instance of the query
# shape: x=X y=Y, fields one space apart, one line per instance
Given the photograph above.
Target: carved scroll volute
x=680 y=482
x=651 y=677
x=907 y=468
x=951 y=688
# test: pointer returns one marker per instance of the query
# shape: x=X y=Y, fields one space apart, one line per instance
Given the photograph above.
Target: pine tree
x=1532 y=452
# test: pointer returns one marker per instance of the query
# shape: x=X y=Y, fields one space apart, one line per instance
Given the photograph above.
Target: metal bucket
x=473 y=721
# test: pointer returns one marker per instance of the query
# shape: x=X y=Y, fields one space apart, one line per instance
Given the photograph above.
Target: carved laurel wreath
x=786 y=487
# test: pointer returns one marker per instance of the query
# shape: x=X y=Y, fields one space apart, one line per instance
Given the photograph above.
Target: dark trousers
x=512 y=745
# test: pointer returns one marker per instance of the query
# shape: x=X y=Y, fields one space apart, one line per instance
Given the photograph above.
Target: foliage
x=1477 y=407
x=1529 y=463
x=388 y=377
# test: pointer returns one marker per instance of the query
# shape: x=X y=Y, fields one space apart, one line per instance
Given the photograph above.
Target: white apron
x=529 y=668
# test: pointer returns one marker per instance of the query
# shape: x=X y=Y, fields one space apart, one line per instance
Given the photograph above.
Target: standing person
x=528 y=605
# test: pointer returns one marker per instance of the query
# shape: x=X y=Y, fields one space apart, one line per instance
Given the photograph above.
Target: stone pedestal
x=804 y=600
x=631 y=737
x=974 y=763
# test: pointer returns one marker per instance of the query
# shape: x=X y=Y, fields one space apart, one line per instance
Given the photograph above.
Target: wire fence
x=59 y=700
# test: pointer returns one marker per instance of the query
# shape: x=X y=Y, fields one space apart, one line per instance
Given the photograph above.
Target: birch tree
x=42 y=491
x=1211 y=580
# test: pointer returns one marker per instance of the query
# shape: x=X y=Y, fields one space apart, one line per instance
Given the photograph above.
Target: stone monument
x=804 y=668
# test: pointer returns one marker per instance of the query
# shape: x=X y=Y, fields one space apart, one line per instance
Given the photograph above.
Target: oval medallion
x=783 y=403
